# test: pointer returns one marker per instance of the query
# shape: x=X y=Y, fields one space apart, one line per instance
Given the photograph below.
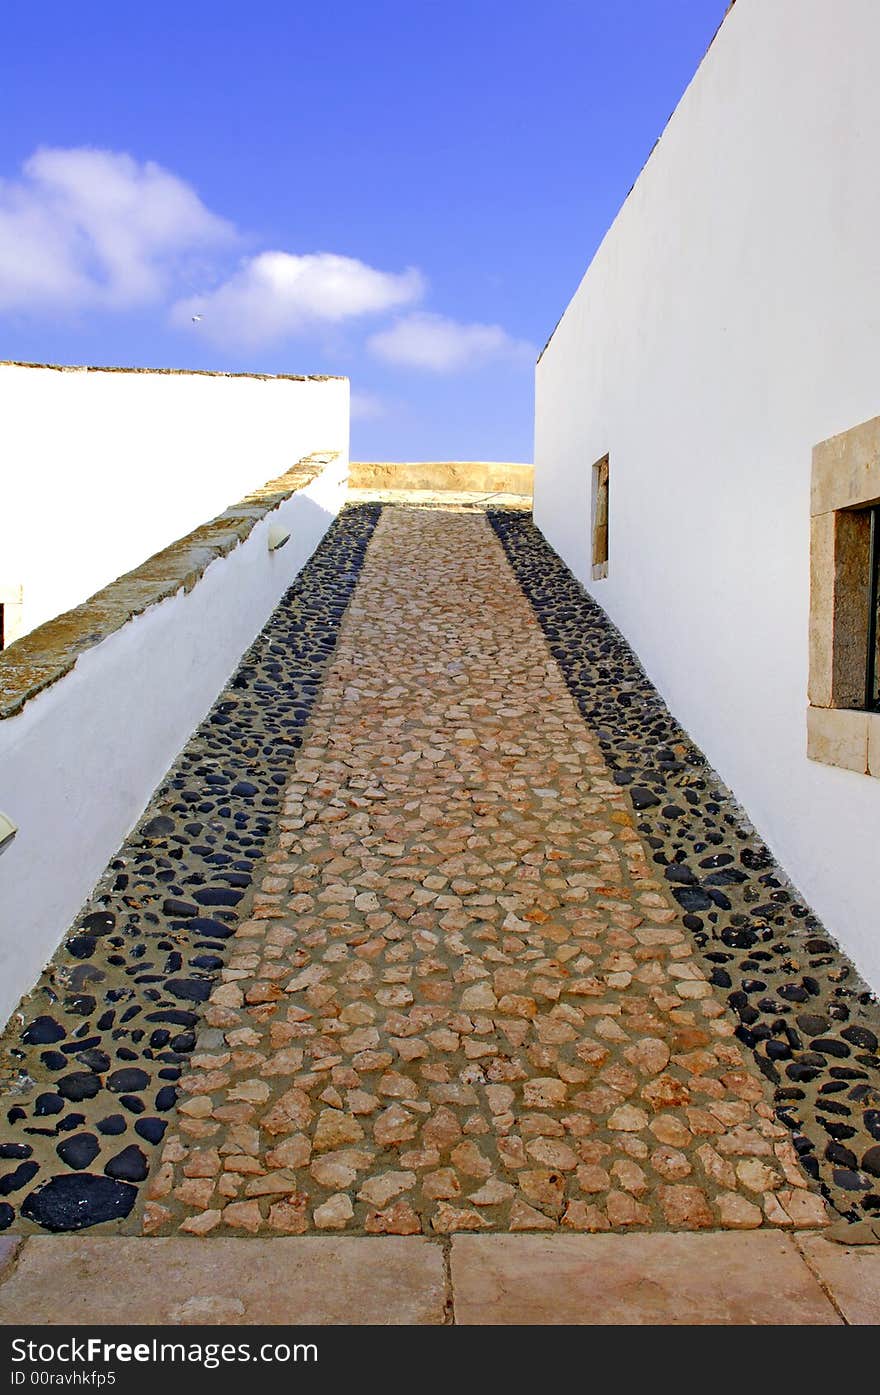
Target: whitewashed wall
x=80 y=761
x=729 y=321
x=99 y=470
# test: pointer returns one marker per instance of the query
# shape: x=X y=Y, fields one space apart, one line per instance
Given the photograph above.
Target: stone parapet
x=459 y=476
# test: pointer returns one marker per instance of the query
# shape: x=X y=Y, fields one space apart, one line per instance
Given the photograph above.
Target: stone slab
x=114 y=1280
x=836 y=736
x=8 y=1246
x=821 y=684
x=874 y=743
x=635 y=1280
x=846 y=469
x=851 y=1274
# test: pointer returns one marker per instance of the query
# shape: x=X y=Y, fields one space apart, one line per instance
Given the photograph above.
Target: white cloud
x=442 y=345
x=83 y=229
x=276 y=294
x=366 y=406
x=96 y=228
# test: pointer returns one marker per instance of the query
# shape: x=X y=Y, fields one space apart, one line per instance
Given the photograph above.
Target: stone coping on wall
x=47 y=653
x=175 y=372
x=468 y=476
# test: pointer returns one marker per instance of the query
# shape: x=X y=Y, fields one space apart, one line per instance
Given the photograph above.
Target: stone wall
x=459 y=476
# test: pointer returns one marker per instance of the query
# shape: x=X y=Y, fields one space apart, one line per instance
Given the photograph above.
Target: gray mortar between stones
x=88 y=1063
x=811 y=1022
x=803 y=1009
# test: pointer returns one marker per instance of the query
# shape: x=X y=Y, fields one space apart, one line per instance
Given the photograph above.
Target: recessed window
x=843 y=717
x=599 y=518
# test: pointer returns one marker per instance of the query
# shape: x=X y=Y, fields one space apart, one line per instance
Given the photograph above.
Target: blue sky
x=406 y=192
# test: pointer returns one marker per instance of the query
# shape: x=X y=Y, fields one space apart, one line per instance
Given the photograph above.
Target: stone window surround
x=599 y=518
x=845 y=483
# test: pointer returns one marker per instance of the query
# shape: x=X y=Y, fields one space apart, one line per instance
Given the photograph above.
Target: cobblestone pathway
x=463 y=999
x=406 y=945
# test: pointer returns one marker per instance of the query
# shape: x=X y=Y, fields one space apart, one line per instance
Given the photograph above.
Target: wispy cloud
x=276 y=294
x=88 y=229
x=441 y=345
x=96 y=228
x=366 y=406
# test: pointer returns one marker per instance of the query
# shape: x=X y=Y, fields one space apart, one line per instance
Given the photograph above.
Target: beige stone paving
x=463 y=1000
x=682 y=1278
x=638 y=1280
x=849 y=1274
x=182 y=1282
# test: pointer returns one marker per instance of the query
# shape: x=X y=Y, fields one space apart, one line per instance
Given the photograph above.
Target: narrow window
x=843 y=716
x=599 y=513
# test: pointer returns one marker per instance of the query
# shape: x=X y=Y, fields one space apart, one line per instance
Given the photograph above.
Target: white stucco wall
x=729 y=321
x=99 y=470
x=80 y=761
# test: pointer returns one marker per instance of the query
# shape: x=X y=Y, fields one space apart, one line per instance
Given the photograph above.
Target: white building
x=728 y=324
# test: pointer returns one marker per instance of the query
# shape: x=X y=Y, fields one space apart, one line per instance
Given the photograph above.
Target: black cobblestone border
x=90 y=1060
x=803 y=1010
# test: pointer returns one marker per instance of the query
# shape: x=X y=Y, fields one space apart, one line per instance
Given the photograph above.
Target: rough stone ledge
x=473 y=476
x=174 y=372
x=40 y=658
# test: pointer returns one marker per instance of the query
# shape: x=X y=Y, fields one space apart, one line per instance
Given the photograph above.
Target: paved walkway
x=427 y=959
x=463 y=1000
